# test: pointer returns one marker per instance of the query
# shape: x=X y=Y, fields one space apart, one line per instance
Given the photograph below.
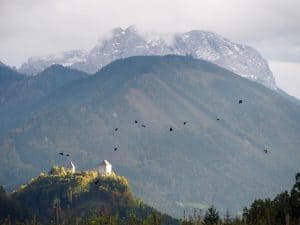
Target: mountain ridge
x=241 y=59
x=20 y=94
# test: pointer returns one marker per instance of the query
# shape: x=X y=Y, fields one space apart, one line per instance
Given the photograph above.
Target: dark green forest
x=63 y=197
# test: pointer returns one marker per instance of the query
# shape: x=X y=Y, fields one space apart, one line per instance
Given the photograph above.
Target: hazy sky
x=38 y=27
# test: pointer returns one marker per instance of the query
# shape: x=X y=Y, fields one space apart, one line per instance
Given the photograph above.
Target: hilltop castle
x=105 y=168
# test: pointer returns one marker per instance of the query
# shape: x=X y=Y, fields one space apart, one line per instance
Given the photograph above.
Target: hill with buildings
x=65 y=196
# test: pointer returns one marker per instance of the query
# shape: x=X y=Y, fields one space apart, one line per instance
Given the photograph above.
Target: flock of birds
x=170 y=129
x=184 y=123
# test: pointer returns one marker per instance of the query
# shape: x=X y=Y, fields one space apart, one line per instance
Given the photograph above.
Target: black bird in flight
x=116 y=129
x=266 y=151
x=135 y=121
x=67 y=155
x=184 y=123
x=143 y=125
x=240 y=101
x=171 y=129
x=115 y=149
x=61 y=153
x=218 y=119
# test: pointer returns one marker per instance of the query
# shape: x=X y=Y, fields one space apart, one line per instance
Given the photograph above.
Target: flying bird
x=143 y=125
x=184 y=123
x=115 y=149
x=61 y=153
x=135 y=121
x=171 y=129
x=218 y=119
x=67 y=155
x=116 y=129
x=240 y=101
x=266 y=151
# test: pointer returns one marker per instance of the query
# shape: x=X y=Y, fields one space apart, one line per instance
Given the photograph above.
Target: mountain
x=8 y=76
x=35 y=65
x=3 y=65
x=20 y=95
x=82 y=197
x=240 y=59
x=207 y=161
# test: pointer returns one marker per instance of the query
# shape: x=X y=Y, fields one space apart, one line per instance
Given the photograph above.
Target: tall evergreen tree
x=295 y=199
x=211 y=216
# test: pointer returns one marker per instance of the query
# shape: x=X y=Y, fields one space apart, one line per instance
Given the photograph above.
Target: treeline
x=284 y=209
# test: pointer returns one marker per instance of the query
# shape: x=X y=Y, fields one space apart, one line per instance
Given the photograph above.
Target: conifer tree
x=211 y=216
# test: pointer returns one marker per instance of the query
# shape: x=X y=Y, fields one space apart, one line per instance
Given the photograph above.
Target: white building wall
x=105 y=169
x=108 y=169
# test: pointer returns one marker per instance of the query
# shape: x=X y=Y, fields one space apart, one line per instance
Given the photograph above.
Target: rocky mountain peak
x=241 y=59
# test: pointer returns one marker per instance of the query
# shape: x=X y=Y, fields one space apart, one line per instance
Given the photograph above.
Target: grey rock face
x=2 y=64
x=122 y=44
x=241 y=59
x=37 y=64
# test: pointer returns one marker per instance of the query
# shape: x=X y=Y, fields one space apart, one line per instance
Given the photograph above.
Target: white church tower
x=105 y=168
x=71 y=167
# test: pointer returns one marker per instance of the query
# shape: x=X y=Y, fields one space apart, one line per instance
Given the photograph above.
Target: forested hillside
x=228 y=152
x=62 y=197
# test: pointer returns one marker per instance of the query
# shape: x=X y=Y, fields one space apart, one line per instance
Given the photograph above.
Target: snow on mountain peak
x=36 y=64
x=206 y=45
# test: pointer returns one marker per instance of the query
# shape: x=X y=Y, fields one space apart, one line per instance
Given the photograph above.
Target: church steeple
x=72 y=167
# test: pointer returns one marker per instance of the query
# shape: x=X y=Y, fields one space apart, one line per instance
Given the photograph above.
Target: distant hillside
x=8 y=77
x=79 y=197
x=216 y=158
x=20 y=95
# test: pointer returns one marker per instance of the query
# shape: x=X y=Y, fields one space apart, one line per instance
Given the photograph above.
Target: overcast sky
x=39 y=27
